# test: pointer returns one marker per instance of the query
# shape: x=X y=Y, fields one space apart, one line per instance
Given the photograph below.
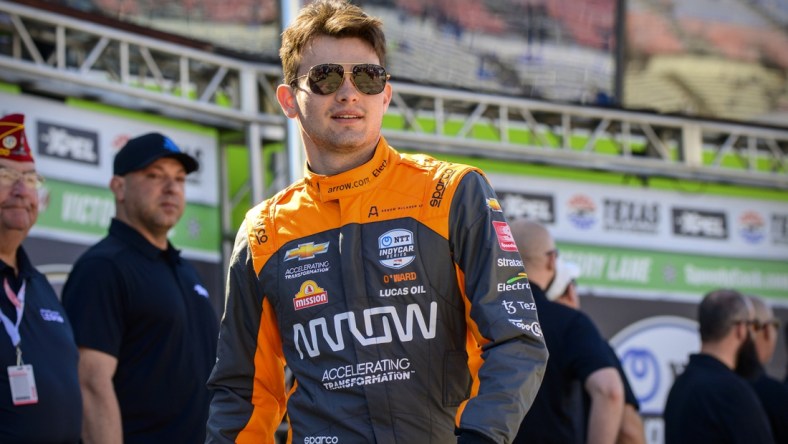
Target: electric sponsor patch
x=505 y=238
x=310 y=295
x=753 y=227
x=367 y=373
x=516 y=283
x=396 y=248
x=306 y=251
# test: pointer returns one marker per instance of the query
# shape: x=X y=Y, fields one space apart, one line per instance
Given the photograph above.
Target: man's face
x=18 y=202
x=346 y=121
x=747 y=362
x=154 y=198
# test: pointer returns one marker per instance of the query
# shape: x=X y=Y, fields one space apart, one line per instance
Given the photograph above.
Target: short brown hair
x=332 y=18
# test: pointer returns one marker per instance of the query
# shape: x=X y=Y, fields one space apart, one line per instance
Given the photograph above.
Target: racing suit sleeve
x=248 y=379
x=501 y=314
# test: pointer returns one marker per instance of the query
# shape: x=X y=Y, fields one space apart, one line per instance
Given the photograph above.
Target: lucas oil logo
x=310 y=295
x=395 y=248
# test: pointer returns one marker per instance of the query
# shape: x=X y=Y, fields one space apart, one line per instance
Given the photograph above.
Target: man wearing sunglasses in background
x=772 y=393
x=40 y=399
x=388 y=284
x=709 y=402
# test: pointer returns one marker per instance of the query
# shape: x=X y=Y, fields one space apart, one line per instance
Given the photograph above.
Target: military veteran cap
x=13 y=142
x=141 y=151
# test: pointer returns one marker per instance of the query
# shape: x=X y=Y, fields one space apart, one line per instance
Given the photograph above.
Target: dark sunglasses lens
x=369 y=79
x=325 y=79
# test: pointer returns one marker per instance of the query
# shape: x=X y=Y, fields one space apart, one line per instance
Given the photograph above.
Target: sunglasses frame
x=356 y=69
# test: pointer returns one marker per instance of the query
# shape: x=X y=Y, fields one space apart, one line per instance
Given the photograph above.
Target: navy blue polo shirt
x=47 y=344
x=708 y=402
x=148 y=308
x=577 y=350
x=774 y=398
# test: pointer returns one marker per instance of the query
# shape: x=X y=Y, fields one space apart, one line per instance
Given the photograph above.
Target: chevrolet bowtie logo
x=306 y=251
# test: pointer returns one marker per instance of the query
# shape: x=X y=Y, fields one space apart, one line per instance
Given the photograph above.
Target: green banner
x=660 y=272
x=83 y=211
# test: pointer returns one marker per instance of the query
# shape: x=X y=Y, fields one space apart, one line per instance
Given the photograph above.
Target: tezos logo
x=752 y=227
x=72 y=144
x=396 y=248
x=581 y=211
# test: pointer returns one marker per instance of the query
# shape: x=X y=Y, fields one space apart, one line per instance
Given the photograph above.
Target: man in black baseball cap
x=142 y=318
x=141 y=151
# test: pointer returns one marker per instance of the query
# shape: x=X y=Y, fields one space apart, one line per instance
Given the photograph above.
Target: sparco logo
x=68 y=143
x=321 y=440
x=696 y=223
x=539 y=207
x=440 y=188
x=628 y=215
x=320 y=332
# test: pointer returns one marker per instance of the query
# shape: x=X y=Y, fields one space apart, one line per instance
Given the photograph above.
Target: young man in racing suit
x=389 y=284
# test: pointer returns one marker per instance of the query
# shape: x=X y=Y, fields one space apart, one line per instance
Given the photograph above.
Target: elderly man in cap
x=145 y=328
x=39 y=393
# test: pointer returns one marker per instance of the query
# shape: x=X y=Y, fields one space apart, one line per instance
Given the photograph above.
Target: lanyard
x=18 y=299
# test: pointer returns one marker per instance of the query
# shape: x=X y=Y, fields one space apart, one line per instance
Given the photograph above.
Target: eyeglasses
x=326 y=78
x=762 y=325
x=554 y=251
x=10 y=176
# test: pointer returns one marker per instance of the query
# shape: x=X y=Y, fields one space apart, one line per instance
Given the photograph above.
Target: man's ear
x=285 y=95
x=118 y=187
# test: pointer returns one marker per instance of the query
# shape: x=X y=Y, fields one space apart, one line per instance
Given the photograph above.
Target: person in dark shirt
x=145 y=328
x=772 y=393
x=563 y=290
x=40 y=400
x=709 y=402
x=579 y=358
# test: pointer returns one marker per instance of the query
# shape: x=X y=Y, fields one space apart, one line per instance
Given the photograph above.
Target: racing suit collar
x=355 y=181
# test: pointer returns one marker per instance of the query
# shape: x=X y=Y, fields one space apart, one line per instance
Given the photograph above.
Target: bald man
x=578 y=358
x=709 y=402
x=772 y=393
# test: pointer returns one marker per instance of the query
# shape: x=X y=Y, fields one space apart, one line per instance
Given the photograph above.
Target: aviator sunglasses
x=326 y=78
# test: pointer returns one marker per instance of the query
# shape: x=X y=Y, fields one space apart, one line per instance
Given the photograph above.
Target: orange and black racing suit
x=393 y=292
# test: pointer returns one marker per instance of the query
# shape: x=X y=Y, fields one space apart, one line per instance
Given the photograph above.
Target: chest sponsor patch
x=51 y=315
x=396 y=248
x=310 y=295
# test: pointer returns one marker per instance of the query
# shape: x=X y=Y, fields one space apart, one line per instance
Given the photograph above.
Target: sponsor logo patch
x=504 y=234
x=396 y=248
x=310 y=295
x=306 y=251
x=51 y=315
x=494 y=205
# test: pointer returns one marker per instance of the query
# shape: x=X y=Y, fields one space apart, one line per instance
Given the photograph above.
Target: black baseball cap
x=141 y=151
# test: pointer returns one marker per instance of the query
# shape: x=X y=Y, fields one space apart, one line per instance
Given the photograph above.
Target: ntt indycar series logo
x=396 y=249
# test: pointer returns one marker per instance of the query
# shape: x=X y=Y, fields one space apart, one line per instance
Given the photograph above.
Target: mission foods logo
x=701 y=224
x=67 y=143
x=396 y=248
x=310 y=295
x=581 y=211
x=629 y=215
x=306 y=251
x=752 y=227
x=539 y=207
x=504 y=234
